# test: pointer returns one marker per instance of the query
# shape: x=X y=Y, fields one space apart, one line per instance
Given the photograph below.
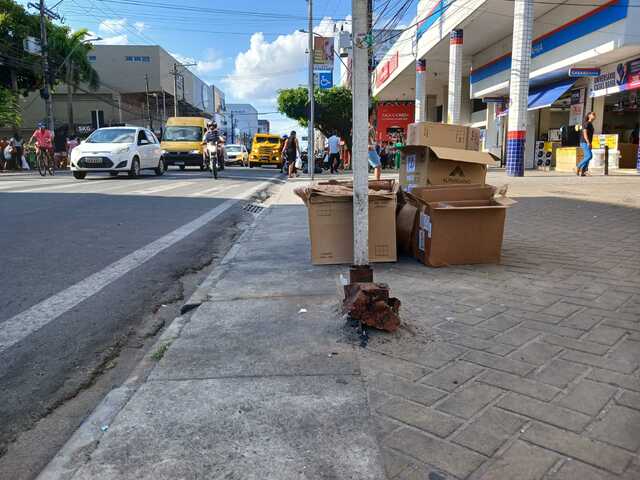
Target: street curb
x=78 y=449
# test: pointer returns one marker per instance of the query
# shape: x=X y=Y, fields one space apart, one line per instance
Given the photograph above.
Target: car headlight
x=195 y=152
x=164 y=152
x=118 y=151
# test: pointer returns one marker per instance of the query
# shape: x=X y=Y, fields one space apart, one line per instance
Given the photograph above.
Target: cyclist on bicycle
x=44 y=141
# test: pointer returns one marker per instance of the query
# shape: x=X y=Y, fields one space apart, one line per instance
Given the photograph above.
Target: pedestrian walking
x=586 y=139
x=72 y=142
x=18 y=149
x=334 y=152
x=292 y=147
x=374 y=158
x=7 y=156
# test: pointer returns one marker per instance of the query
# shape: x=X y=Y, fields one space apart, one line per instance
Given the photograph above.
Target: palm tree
x=69 y=52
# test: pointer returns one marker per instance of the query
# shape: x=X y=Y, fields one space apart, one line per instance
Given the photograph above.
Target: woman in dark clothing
x=585 y=142
x=292 y=148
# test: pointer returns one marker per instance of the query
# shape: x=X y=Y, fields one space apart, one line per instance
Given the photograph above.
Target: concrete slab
x=257 y=337
x=251 y=429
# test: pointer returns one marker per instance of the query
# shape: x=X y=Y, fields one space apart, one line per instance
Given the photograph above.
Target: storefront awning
x=545 y=96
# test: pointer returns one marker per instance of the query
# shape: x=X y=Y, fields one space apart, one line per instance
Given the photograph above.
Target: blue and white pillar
x=519 y=86
x=421 y=91
x=454 y=94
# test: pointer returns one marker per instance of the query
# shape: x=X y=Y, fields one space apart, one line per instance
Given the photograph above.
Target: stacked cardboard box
x=330 y=208
x=443 y=154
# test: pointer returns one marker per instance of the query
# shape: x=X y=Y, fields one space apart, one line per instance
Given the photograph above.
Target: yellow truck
x=266 y=150
x=182 y=141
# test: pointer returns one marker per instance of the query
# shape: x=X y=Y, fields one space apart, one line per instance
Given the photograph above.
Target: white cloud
x=115 y=40
x=140 y=26
x=211 y=62
x=113 y=25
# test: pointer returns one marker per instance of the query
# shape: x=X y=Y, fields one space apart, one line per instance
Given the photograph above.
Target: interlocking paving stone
x=589 y=451
x=612 y=378
x=626 y=351
x=629 y=399
x=600 y=362
x=587 y=397
x=434 y=355
x=384 y=426
x=466 y=402
x=582 y=321
x=416 y=392
x=502 y=322
x=562 y=309
x=580 y=345
x=521 y=461
x=394 y=463
x=560 y=372
x=489 y=431
x=620 y=426
x=517 y=336
x=452 y=376
x=536 y=353
x=624 y=324
x=424 y=473
x=520 y=385
x=544 y=412
x=562 y=331
x=462 y=328
x=424 y=418
x=499 y=363
x=447 y=456
x=377 y=398
x=605 y=335
x=372 y=363
x=574 y=470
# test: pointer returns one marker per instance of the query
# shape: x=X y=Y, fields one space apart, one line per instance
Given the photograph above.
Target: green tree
x=9 y=108
x=333 y=110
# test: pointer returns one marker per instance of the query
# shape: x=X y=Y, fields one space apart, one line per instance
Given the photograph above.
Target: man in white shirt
x=334 y=152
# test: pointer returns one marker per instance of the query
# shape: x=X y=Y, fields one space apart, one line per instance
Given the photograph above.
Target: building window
x=91 y=58
x=138 y=59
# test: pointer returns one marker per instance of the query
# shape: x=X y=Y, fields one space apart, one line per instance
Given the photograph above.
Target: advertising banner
x=323 y=53
x=618 y=78
x=576 y=110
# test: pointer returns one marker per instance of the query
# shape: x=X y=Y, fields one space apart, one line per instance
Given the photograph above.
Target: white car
x=237 y=154
x=118 y=149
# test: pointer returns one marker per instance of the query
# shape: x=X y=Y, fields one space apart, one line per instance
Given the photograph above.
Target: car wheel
x=113 y=174
x=182 y=167
x=202 y=166
x=135 y=168
x=79 y=175
x=160 y=169
x=250 y=165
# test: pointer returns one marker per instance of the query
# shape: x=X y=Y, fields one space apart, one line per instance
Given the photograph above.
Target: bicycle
x=45 y=162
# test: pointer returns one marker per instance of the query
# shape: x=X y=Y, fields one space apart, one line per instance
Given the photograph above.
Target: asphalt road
x=84 y=263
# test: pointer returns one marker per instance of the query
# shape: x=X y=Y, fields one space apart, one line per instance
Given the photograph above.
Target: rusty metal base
x=360 y=274
x=370 y=304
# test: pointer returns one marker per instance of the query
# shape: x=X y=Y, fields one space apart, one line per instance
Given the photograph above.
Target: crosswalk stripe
x=162 y=188
x=215 y=189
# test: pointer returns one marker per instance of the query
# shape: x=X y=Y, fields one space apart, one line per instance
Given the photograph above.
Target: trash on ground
x=104 y=428
x=302 y=310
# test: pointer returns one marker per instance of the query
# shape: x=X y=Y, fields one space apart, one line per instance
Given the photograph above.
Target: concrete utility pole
x=45 y=66
x=175 y=89
x=311 y=157
x=455 y=76
x=146 y=88
x=164 y=107
x=360 y=89
x=421 y=90
x=519 y=86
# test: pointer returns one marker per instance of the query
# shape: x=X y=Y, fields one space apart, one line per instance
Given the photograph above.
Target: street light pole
x=360 y=89
x=311 y=157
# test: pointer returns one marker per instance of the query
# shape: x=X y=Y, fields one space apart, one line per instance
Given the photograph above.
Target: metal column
x=519 y=86
x=454 y=94
x=311 y=150
x=421 y=91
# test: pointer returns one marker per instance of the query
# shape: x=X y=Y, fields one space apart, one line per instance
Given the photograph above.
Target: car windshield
x=267 y=139
x=182 y=134
x=233 y=148
x=112 y=135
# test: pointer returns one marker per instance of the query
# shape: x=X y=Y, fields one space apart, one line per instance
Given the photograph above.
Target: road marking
x=5 y=185
x=59 y=187
x=20 y=326
x=162 y=188
x=215 y=189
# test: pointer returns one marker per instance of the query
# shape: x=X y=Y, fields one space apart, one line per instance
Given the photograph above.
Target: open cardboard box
x=432 y=134
x=429 y=166
x=330 y=207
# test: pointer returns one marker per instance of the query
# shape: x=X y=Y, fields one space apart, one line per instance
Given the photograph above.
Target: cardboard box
x=461 y=232
x=431 y=134
x=330 y=207
x=406 y=223
x=427 y=166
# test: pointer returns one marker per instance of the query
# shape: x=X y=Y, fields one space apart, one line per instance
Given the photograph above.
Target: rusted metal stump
x=369 y=303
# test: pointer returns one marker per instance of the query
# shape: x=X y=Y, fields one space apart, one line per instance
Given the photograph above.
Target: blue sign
x=325 y=80
x=584 y=72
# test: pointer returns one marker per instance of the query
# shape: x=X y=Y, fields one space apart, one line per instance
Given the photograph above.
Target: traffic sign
x=325 y=80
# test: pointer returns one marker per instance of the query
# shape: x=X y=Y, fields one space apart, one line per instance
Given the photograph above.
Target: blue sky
x=249 y=48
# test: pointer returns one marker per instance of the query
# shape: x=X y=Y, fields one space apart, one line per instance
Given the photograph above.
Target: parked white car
x=237 y=154
x=118 y=149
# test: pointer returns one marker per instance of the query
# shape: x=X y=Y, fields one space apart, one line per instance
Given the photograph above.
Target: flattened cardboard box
x=461 y=232
x=427 y=166
x=431 y=134
x=331 y=227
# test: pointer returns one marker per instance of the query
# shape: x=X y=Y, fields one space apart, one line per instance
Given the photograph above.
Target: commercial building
x=139 y=85
x=584 y=57
x=263 y=126
x=243 y=121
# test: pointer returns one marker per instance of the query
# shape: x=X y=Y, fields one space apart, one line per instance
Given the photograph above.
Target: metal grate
x=253 y=208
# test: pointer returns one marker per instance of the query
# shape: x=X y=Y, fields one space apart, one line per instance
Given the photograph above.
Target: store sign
x=387 y=68
x=493 y=100
x=610 y=140
x=583 y=72
x=576 y=110
x=619 y=78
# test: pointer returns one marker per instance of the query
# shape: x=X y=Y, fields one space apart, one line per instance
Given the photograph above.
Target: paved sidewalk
x=528 y=370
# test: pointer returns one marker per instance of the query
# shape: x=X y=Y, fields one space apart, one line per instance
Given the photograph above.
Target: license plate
x=179 y=162
x=264 y=158
x=93 y=159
